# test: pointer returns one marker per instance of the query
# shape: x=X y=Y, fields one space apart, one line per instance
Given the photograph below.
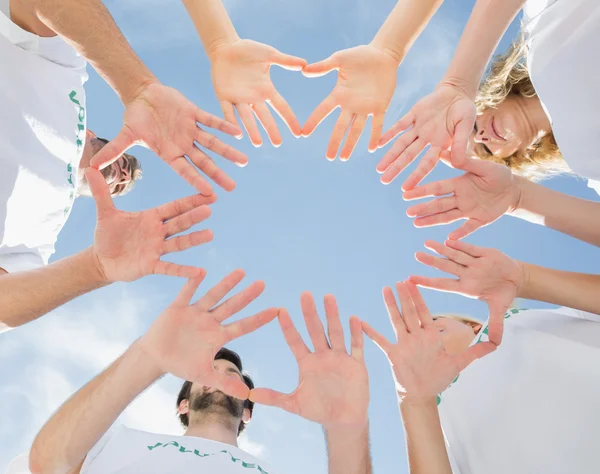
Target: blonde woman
x=528 y=407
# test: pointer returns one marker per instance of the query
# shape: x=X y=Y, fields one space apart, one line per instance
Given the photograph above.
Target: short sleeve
x=19 y=262
x=98 y=447
x=19 y=465
x=595 y=185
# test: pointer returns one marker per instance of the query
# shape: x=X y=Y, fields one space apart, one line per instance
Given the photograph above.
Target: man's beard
x=217 y=401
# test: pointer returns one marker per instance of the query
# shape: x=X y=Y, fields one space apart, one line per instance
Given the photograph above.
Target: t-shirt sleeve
x=19 y=262
x=98 y=447
x=19 y=465
x=595 y=185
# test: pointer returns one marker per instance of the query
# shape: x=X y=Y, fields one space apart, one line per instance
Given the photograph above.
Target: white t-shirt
x=126 y=451
x=532 y=406
x=564 y=64
x=42 y=135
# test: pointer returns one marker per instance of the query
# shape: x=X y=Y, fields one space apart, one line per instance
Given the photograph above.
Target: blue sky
x=295 y=220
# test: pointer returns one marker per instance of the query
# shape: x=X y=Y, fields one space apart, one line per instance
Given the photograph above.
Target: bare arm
x=573 y=216
x=27 y=295
x=65 y=440
x=424 y=438
x=348 y=449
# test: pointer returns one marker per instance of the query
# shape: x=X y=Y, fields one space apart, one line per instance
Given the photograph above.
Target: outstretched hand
x=162 y=119
x=485 y=274
x=365 y=86
x=333 y=388
x=421 y=366
x=482 y=195
x=444 y=119
x=185 y=338
x=241 y=79
x=128 y=245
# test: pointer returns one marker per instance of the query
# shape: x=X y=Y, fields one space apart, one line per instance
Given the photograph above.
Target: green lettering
x=79 y=143
x=150 y=448
x=198 y=453
x=80 y=127
x=261 y=470
x=81 y=114
x=183 y=450
x=73 y=99
x=172 y=443
x=70 y=180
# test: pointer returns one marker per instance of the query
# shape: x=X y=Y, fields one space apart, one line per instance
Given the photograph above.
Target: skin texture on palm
x=333 y=386
x=365 y=86
x=163 y=120
x=485 y=274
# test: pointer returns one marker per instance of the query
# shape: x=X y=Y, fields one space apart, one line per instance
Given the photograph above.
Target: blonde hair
x=468 y=320
x=509 y=75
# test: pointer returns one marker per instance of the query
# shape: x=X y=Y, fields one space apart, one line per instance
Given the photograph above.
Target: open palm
x=129 y=245
x=241 y=79
x=482 y=195
x=333 y=387
x=163 y=120
x=365 y=86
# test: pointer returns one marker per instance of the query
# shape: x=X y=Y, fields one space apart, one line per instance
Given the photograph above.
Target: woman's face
x=457 y=335
x=513 y=126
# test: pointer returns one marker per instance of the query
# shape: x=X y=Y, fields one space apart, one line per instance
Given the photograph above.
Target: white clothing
x=127 y=451
x=42 y=135
x=532 y=405
x=564 y=64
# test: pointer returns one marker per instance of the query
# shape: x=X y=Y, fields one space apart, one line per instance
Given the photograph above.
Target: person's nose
x=481 y=136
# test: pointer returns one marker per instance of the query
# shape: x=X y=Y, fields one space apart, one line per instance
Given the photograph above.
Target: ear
x=246 y=416
x=476 y=327
x=184 y=407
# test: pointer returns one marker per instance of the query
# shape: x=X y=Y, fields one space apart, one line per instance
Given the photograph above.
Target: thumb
x=460 y=141
x=496 y=322
x=475 y=352
x=286 y=61
x=231 y=386
x=320 y=68
x=100 y=191
x=113 y=149
x=272 y=398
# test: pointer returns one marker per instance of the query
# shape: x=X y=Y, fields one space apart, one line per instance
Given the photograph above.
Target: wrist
x=93 y=267
x=147 y=360
x=464 y=85
x=409 y=401
x=216 y=45
x=397 y=53
x=525 y=279
x=519 y=191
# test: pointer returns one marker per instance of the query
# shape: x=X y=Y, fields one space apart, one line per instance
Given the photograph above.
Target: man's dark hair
x=135 y=171
x=234 y=358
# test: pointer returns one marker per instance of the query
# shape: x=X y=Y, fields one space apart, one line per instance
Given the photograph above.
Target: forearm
x=65 y=440
x=574 y=290
x=485 y=28
x=404 y=25
x=90 y=29
x=348 y=449
x=27 y=295
x=424 y=438
x=212 y=23
x=576 y=217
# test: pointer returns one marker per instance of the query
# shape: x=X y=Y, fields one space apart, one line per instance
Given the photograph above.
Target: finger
x=268 y=122
x=218 y=292
x=210 y=142
x=439 y=219
x=189 y=289
x=473 y=353
x=210 y=169
x=292 y=336
x=100 y=192
x=186 y=221
x=238 y=301
x=286 y=61
x=437 y=206
x=469 y=249
x=464 y=230
x=356 y=130
x=377 y=338
x=399 y=127
x=358 y=343
x=421 y=308
x=320 y=68
x=455 y=255
x=334 y=325
x=212 y=121
x=231 y=386
x=425 y=167
x=376 y=131
x=393 y=153
x=268 y=397
x=441 y=264
x=462 y=133
x=250 y=324
x=190 y=174
x=496 y=321
x=181 y=206
x=229 y=114
x=437 y=188
x=394 y=313
x=409 y=312
x=113 y=149
x=249 y=121
x=286 y=113
x=319 y=114
x=176 y=270
x=313 y=322
x=447 y=285
x=339 y=130
x=184 y=242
